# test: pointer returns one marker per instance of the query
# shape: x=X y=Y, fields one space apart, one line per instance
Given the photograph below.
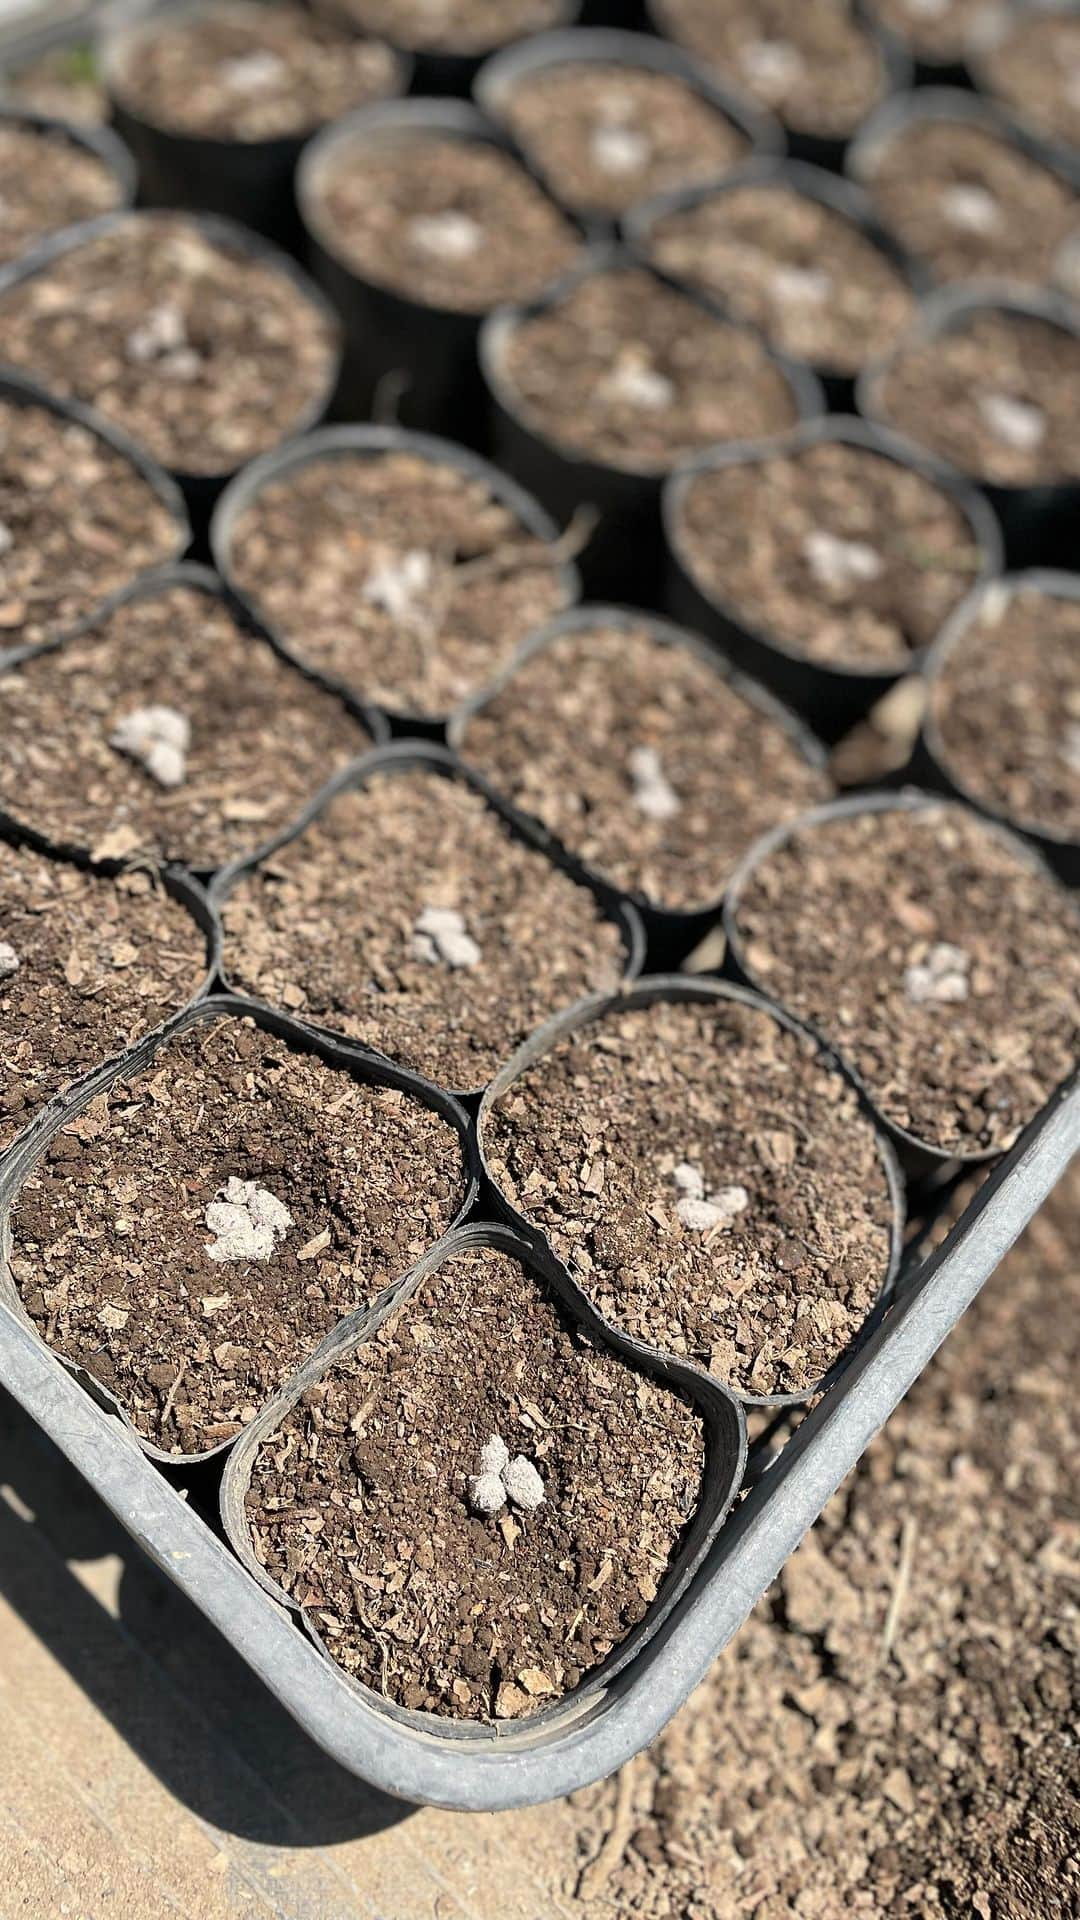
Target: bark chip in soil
x=709 y=1181
x=151 y=1244
x=476 y=1505
x=47 y=182
x=809 y=61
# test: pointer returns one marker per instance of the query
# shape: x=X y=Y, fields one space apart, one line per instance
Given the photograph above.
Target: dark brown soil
x=62 y=82
x=448 y=223
x=250 y=72
x=891 y=1734
x=709 y=1181
x=111 y=1234
x=203 y=354
x=1033 y=71
x=262 y=739
x=999 y=396
x=969 y=202
x=626 y=371
x=834 y=552
x=333 y=927
x=47 y=182
x=565 y=738
x=87 y=965
x=402 y=577
x=77 y=521
x=934 y=30
x=450 y=26
x=603 y=136
x=808 y=60
x=360 y=1502
x=1007 y=708
x=943 y=965
x=778 y=260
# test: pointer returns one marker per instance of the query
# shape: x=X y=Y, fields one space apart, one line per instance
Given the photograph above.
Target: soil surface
x=1007 y=708
x=446 y=222
x=203 y=354
x=127 y=1257
x=605 y=135
x=1033 y=71
x=936 y=31
x=807 y=60
x=401 y=576
x=260 y=738
x=87 y=965
x=642 y=760
x=890 y=1735
x=710 y=1182
x=933 y=956
x=251 y=72
x=999 y=396
x=778 y=260
x=835 y=552
x=77 y=522
x=969 y=202
x=47 y=182
x=409 y=917
x=62 y=82
x=363 y=1504
x=450 y=26
x=633 y=374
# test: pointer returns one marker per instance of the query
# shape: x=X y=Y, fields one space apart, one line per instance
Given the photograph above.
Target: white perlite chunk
x=487 y=1493
x=449 y=235
x=9 y=960
x=247 y=1220
x=7 y=538
x=654 y=796
x=397 y=583
x=941 y=977
x=839 y=564
x=802 y=286
x=1070 y=753
x=1016 y=422
x=523 y=1484
x=494 y=1455
x=971 y=209
x=634 y=380
x=163 y=331
x=620 y=149
x=501 y=1479
x=158 y=738
x=702 y=1212
x=254 y=71
x=441 y=936
x=772 y=66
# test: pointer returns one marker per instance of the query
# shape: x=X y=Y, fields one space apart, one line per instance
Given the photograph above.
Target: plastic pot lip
x=986 y=32
x=869 y=436
x=466 y=59
x=149 y=586
x=588 y=618
x=101 y=141
x=208 y=1005
x=123 y=30
x=22 y=390
x=833 y=191
x=369 y=442
x=409 y=756
x=604 y=258
x=718 y=1409
x=221 y=232
x=899 y=800
x=1056 y=584
x=595 y=1007
x=521 y=60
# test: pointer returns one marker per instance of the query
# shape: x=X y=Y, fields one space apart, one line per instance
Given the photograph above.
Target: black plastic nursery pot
x=990 y=27
x=1038 y=522
x=368 y=442
x=811 y=183
x=445 y=70
x=98 y=141
x=671 y=933
x=404 y=757
x=932 y=764
x=506 y=71
x=624 y=557
x=833 y=695
x=725 y=1461
x=945 y=69
x=920 y=1159
x=405 y=360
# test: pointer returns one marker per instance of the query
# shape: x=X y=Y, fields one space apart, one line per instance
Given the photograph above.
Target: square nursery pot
x=208 y=1006
x=725 y=1459
x=832 y=697
x=933 y=765
x=641 y=53
x=359 y=443
x=624 y=557
x=402 y=354
x=1038 y=521
x=402 y=758
x=250 y=181
x=98 y=143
